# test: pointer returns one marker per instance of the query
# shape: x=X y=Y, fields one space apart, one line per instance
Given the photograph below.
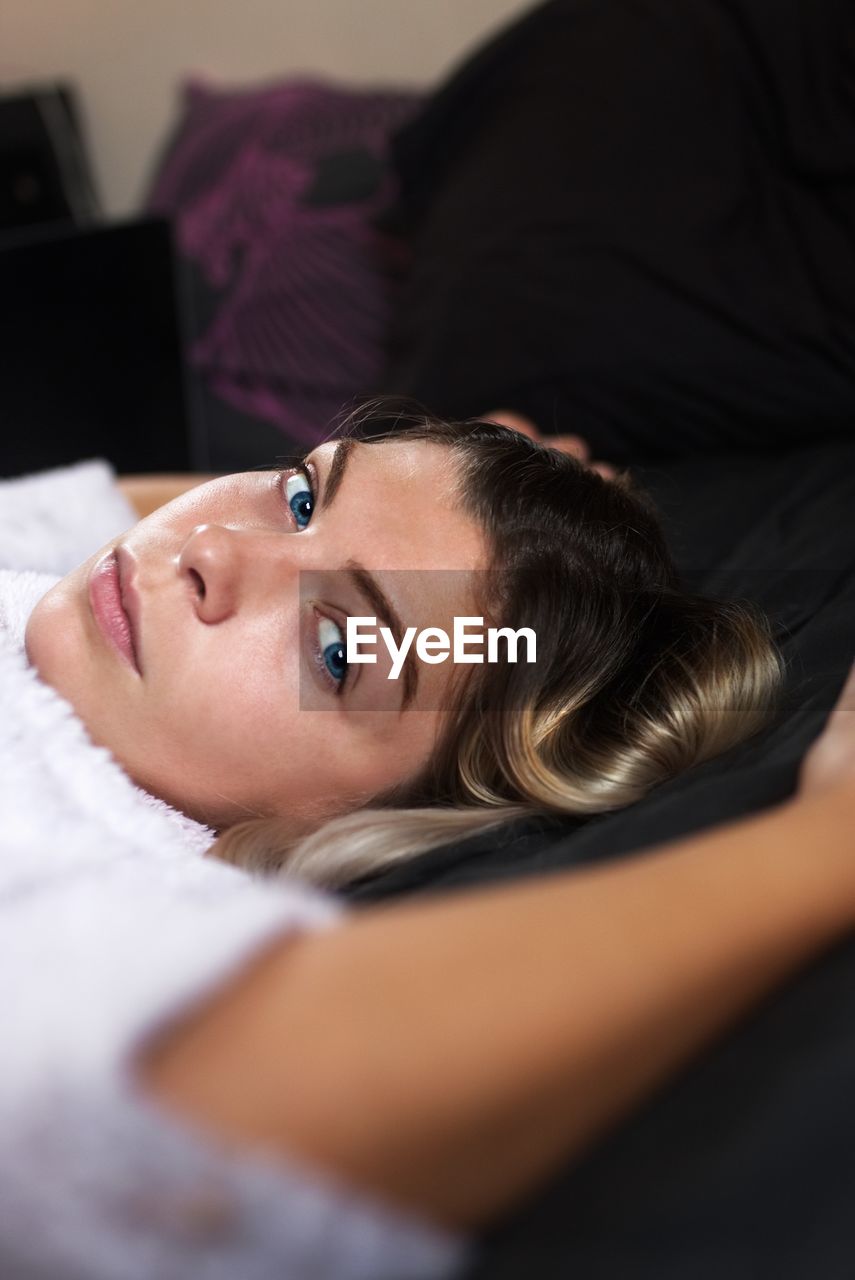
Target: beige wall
x=127 y=56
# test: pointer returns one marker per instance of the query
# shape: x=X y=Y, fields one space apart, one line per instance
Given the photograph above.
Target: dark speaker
x=45 y=175
x=90 y=349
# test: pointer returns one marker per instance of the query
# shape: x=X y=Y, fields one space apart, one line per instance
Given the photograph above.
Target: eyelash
x=284 y=477
x=336 y=686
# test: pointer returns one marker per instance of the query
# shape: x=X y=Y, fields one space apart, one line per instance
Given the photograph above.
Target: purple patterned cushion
x=274 y=195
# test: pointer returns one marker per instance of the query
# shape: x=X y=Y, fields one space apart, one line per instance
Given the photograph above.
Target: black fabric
x=745 y=1167
x=635 y=220
x=90 y=349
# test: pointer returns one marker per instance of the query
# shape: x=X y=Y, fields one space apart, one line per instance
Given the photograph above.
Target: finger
x=516 y=422
x=843 y=711
x=574 y=445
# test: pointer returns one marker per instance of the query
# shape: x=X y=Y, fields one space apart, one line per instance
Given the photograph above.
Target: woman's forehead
x=405 y=455
x=402 y=498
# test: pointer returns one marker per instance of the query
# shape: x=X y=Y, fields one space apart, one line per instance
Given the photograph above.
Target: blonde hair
x=637 y=678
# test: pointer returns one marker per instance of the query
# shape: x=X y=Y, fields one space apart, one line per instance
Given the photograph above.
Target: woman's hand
x=575 y=445
x=830 y=762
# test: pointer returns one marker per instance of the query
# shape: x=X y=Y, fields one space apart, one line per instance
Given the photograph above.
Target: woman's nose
x=223 y=566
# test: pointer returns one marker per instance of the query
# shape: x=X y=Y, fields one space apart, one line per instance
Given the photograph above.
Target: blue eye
x=332 y=648
x=298 y=493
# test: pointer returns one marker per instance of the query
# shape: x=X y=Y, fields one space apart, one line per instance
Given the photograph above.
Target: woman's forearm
x=449 y=1054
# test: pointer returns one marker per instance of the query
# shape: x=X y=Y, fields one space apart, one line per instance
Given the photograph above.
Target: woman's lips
x=105 y=598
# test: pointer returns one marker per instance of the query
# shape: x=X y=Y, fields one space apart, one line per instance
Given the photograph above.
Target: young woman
x=205 y=1074
x=636 y=679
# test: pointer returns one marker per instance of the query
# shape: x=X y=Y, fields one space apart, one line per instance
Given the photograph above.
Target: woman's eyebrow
x=368 y=586
x=331 y=482
x=364 y=581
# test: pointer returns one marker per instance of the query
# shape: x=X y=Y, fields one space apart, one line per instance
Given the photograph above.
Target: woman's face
x=240 y=706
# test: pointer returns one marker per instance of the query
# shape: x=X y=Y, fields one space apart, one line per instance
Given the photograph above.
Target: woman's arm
x=450 y=1054
x=148 y=492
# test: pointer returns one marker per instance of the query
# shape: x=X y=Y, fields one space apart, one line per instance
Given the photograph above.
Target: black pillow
x=636 y=221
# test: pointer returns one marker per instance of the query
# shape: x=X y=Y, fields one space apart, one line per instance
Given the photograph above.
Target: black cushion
x=635 y=220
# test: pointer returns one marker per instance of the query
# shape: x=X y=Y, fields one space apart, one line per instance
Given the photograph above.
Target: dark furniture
x=90 y=349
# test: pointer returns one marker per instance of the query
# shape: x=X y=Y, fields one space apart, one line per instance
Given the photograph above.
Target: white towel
x=53 y=520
